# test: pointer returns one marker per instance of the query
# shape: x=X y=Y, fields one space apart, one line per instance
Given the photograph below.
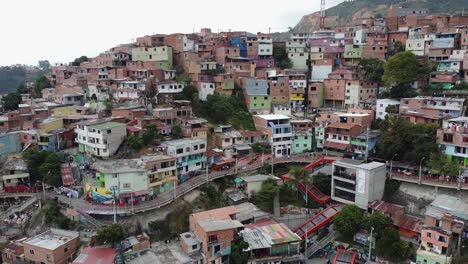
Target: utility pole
x=371 y=238
x=308 y=77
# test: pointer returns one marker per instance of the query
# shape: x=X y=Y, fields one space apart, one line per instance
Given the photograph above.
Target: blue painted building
x=10 y=143
x=239 y=41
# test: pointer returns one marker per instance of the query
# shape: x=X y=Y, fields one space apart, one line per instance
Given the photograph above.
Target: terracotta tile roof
x=251 y=133
x=216 y=214
x=335 y=145
x=410 y=222
x=342 y=125
x=211 y=153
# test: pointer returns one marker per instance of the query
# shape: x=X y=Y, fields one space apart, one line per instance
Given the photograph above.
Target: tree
x=441 y=165
x=176 y=132
x=211 y=198
x=461 y=86
x=402 y=68
x=150 y=134
x=44 y=65
x=22 y=89
x=41 y=83
x=79 y=60
x=108 y=106
x=281 y=57
x=403 y=91
x=34 y=159
x=349 y=221
x=409 y=141
x=265 y=169
x=299 y=174
x=179 y=219
x=53 y=216
x=135 y=142
x=374 y=69
x=50 y=170
x=391 y=187
x=391 y=247
x=265 y=197
x=392 y=109
x=379 y=222
x=239 y=255
x=323 y=182
x=112 y=234
x=11 y=101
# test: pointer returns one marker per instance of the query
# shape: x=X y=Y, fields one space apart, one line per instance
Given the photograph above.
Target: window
x=66 y=249
x=429 y=234
x=114 y=176
x=212 y=239
x=127 y=185
x=31 y=251
x=194 y=246
x=180 y=151
x=109 y=131
x=202 y=146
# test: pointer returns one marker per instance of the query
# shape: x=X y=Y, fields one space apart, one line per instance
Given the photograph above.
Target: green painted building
x=301 y=143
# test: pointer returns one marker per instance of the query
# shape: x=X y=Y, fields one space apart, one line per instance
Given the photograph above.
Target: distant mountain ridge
x=346 y=11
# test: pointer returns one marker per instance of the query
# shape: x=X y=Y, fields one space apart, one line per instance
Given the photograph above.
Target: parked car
x=21 y=188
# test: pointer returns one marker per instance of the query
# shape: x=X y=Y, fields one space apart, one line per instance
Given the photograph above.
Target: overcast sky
x=60 y=31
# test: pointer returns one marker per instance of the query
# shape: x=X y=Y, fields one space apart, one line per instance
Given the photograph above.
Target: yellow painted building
x=65 y=111
x=49 y=124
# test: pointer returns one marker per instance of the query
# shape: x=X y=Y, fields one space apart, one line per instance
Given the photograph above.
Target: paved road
x=168 y=197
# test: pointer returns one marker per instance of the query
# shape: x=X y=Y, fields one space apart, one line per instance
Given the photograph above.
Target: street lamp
x=391 y=165
x=420 y=169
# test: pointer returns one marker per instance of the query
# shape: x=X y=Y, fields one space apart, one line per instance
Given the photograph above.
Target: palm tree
x=300 y=175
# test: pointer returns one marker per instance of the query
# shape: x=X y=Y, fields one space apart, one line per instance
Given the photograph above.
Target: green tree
x=403 y=91
x=392 y=109
x=265 y=197
x=239 y=255
x=50 y=170
x=441 y=165
x=11 y=101
x=461 y=86
x=323 y=182
x=135 y=142
x=391 y=247
x=379 y=222
x=299 y=175
x=112 y=234
x=211 y=198
x=22 y=89
x=41 y=83
x=34 y=159
x=53 y=216
x=179 y=219
x=150 y=134
x=391 y=187
x=409 y=141
x=373 y=68
x=402 y=68
x=79 y=60
x=108 y=106
x=176 y=132
x=349 y=221
x=281 y=57
x=265 y=169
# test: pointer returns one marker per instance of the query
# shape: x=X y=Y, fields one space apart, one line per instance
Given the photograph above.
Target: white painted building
x=190 y=155
x=381 y=106
x=206 y=88
x=101 y=139
x=357 y=183
x=265 y=46
x=320 y=72
x=279 y=130
x=122 y=175
x=170 y=87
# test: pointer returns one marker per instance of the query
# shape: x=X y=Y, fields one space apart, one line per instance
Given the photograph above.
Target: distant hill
x=12 y=76
x=346 y=11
